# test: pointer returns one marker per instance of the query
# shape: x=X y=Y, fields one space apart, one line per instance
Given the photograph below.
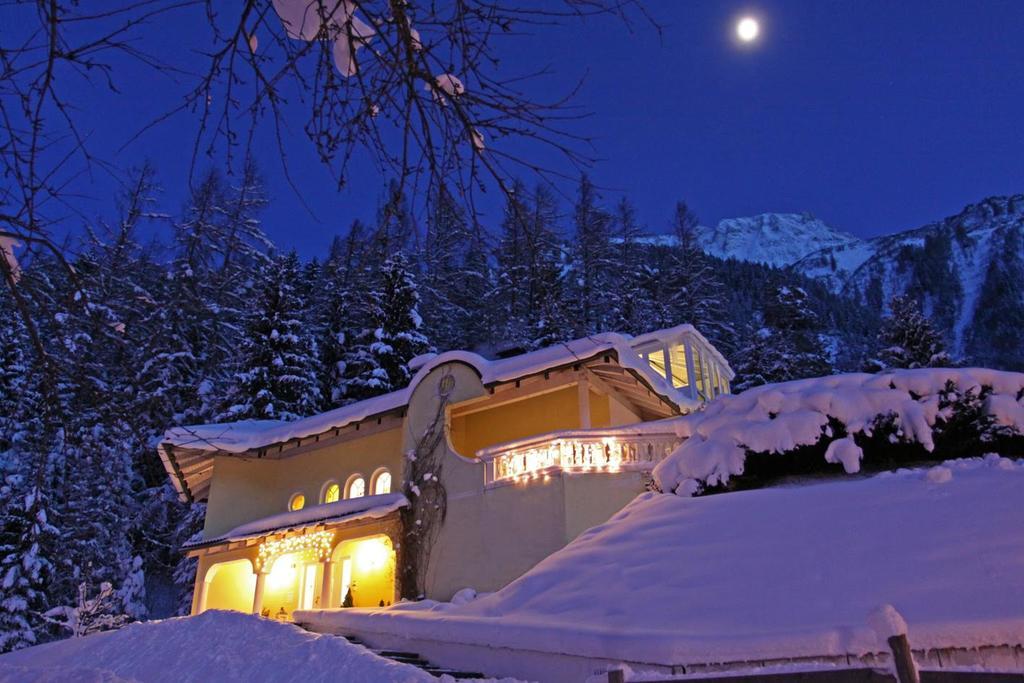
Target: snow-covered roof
x=793 y=571
x=245 y=435
x=348 y=510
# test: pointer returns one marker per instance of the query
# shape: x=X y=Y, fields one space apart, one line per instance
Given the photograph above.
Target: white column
x=690 y=371
x=203 y=590
x=328 y=584
x=583 y=389
x=257 y=598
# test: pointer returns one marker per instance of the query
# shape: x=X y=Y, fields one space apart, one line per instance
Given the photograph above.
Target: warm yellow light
x=333 y=494
x=297 y=503
x=282 y=574
x=747 y=29
x=372 y=554
x=383 y=483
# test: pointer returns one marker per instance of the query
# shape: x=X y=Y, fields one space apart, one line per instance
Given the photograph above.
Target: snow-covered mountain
x=774 y=239
x=967 y=270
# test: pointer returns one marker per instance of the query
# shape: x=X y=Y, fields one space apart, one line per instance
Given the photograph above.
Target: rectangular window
x=677 y=360
x=656 y=359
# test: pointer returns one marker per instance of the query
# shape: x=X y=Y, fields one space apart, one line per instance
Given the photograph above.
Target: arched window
x=381 y=482
x=356 y=487
x=332 y=492
x=297 y=502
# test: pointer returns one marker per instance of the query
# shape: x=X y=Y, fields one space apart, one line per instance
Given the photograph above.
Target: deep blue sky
x=876 y=116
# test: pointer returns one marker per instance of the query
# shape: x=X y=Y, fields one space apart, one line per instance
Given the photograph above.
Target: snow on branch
x=847 y=415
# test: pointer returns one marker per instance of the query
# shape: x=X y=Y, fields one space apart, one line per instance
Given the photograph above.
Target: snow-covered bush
x=846 y=423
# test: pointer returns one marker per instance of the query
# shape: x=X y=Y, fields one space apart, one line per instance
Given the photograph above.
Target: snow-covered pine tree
x=394 y=336
x=908 y=339
x=591 y=290
x=342 y=307
x=509 y=299
x=546 y=314
x=277 y=372
x=785 y=345
x=27 y=540
x=14 y=373
x=453 y=286
x=627 y=299
x=694 y=289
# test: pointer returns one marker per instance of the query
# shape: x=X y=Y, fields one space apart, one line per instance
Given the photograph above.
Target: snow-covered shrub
x=846 y=423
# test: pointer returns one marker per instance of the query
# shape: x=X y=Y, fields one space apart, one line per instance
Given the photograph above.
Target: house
x=467 y=477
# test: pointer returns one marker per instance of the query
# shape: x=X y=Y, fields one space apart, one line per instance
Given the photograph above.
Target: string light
x=312 y=546
x=596 y=454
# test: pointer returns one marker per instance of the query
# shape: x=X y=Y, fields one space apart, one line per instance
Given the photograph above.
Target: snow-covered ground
x=215 y=646
x=773 y=573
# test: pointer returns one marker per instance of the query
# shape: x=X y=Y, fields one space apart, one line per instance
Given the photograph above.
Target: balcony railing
x=583 y=450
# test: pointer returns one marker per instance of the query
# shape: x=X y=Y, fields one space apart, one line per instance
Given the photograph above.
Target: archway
x=367 y=567
x=228 y=585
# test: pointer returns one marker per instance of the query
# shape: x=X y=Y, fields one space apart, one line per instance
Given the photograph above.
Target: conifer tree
x=591 y=289
x=908 y=339
x=342 y=312
x=785 y=346
x=449 y=277
x=628 y=301
x=277 y=378
x=26 y=540
x=394 y=337
x=694 y=289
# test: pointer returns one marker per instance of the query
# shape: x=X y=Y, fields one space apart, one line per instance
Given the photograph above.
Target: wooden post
x=616 y=676
x=583 y=391
x=903 y=660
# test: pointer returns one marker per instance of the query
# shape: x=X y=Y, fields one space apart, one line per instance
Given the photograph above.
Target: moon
x=747 y=29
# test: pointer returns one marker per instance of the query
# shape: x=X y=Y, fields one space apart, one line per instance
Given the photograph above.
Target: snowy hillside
x=775 y=239
x=781 y=572
x=962 y=268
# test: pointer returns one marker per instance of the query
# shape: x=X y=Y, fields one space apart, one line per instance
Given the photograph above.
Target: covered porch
x=334 y=555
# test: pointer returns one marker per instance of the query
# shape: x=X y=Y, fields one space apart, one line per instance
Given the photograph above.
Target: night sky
x=875 y=116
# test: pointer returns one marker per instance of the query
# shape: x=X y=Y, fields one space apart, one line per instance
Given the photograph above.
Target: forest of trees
x=186 y=317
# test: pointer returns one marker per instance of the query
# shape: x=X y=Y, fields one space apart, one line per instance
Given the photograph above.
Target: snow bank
x=777 y=418
x=214 y=646
x=350 y=509
x=797 y=571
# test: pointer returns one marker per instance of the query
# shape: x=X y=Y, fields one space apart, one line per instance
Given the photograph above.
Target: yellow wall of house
x=600 y=409
x=232 y=586
x=492 y=536
x=245 y=489
x=548 y=412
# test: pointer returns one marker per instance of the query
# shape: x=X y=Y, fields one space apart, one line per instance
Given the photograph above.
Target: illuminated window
x=698 y=369
x=356 y=486
x=656 y=359
x=677 y=361
x=297 y=502
x=332 y=493
x=382 y=482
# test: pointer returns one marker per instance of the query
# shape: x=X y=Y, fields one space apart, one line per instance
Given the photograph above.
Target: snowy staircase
x=414 y=659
